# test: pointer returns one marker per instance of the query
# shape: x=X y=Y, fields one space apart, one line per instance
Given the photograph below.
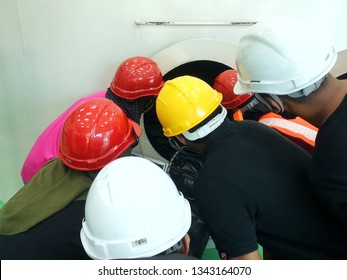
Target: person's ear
x=185 y=245
x=276 y=108
x=182 y=139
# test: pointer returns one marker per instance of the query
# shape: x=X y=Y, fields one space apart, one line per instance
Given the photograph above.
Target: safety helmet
x=137 y=77
x=282 y=56
x=133 y=210
x=183 y=103
x=224 y=83
x=95 y=133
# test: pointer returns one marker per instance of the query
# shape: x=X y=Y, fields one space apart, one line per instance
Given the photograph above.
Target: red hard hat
x=94 y=134
x=137 y=77
x=224 y=83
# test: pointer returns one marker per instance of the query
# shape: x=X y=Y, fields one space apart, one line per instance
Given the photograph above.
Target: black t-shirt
x=253 y=188
x=56 y=238
x=328 y=172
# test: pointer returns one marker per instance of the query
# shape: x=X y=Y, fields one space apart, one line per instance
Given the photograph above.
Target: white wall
x=54 y=52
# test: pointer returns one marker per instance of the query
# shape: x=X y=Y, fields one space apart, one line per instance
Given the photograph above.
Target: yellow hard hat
x=184 y=102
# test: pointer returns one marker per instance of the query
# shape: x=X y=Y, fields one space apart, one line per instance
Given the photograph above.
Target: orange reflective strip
x=297 y=128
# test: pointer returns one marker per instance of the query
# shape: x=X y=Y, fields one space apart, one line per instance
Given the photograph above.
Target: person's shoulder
x=54 y=164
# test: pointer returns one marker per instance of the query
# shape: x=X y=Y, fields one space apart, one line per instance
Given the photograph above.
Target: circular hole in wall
x=203 y=69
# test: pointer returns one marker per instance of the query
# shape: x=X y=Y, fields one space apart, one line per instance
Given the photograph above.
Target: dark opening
x=203 y=69
x=342 y=77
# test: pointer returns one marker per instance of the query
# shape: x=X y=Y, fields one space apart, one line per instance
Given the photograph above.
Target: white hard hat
x=133 y=210
x=282 y=56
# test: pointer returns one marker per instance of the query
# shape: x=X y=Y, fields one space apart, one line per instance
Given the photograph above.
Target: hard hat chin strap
x=278 y=101
x=274 y=97
x=207 y=128
x=182 y=149
x=257 y=103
